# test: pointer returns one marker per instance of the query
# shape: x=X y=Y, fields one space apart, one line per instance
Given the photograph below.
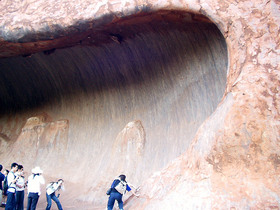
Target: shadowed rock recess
x=126 y=98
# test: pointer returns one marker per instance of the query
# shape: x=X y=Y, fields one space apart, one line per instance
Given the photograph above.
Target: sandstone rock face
x=128 y=149
x=182 y=96
x=48 y=141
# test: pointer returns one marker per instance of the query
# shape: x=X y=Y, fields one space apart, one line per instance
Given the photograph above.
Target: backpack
x=50 y=188
x=5 y=185
x=121 y=187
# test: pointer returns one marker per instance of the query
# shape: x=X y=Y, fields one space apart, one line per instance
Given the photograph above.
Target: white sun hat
x=37 y=170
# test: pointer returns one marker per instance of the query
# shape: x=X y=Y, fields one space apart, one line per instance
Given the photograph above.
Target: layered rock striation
x=182 y=97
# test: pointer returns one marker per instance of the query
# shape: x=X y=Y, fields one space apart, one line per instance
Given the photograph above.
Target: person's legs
x=4 y=199
x=120 y=205
x=29 y=202
x=56 y=201
x=11 y=201
x=49 y=202
x=14 y=201
x=21 y=200
x=17 y=200
x=111 y=201
x=35 y=198
x=120 y=202
x=1 y=197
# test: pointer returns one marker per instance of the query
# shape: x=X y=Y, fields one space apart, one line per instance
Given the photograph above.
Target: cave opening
x=167 y=70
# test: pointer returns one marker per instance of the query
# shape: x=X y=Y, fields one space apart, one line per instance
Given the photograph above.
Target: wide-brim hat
x=37 y=170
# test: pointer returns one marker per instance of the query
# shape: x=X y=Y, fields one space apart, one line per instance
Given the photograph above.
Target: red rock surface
x=149 y=80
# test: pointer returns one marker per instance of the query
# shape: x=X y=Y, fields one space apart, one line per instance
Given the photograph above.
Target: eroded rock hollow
x=87 y=99
x=131 y=104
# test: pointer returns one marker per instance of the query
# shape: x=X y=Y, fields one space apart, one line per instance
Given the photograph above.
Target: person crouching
x=117 y=190
x=51 y=189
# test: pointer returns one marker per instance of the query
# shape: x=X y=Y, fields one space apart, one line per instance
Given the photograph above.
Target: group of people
x=13 y=184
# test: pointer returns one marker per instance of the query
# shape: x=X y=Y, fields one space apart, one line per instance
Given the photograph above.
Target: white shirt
x=11 y=186
x=53 y=187
x=34 y=183
x=20 y=182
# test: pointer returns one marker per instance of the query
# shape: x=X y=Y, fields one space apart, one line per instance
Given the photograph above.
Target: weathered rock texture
x=152 y=89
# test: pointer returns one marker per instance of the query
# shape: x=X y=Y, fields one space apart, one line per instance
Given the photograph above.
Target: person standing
x=118 y=189
x=20 y=188
x=11 y=192
x=5 y=188
x=2 y=177
x=51 y=189
x=34 y=191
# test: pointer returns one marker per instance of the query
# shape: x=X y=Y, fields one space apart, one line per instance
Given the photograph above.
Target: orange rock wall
x=232 y=161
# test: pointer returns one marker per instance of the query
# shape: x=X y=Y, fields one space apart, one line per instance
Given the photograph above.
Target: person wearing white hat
x=34 y=182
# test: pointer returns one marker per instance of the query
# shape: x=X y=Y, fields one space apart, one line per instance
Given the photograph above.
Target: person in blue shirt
x=118 y=189
x=2 y=177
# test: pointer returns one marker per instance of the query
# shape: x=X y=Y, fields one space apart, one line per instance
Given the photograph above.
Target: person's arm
x=42 y=180
x=137 y=195
x=3 y=176
x=136 y=188
x=11 y=179
x=19 y=185
x=60 y=187
x=15 y=180
x=57 y=187
x=48 y=185
x=129 y=190
x=115 y=182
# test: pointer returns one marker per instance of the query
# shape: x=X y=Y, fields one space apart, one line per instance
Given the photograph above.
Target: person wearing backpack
x=11 y=192
x=5 y=188
x=117 y=190
x=51 y=189
x=2 y=177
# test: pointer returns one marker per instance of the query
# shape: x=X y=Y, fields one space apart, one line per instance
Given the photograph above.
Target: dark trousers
x=11 y=201
x=115 y=196
x=55 y=199
x=19 y=200
x=32 y=201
